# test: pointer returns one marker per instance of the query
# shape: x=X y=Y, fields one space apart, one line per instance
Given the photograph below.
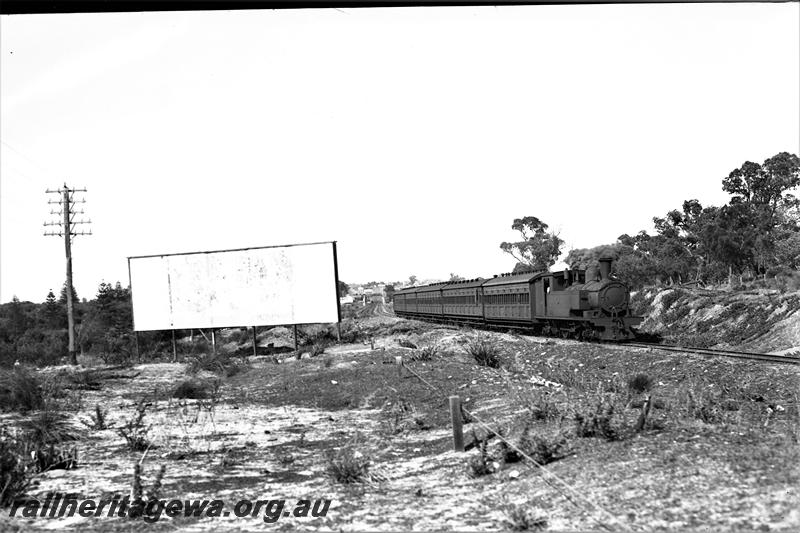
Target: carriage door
x=542 y=288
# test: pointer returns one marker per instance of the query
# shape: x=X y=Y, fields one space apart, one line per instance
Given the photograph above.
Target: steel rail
x=771 y=358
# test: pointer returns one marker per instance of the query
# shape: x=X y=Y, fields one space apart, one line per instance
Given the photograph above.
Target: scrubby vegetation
x=20 y=390
x=15 y=473
x=523 y=518
x=135 y=431
x=484 y=352
x=348 y=464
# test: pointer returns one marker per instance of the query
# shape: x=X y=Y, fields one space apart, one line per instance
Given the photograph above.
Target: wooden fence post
x=643 y=414
x=254 y=342
x=455 y=416
x=174 y=348
x=399 y=362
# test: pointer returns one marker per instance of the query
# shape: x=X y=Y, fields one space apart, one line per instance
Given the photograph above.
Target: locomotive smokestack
x=605 y=268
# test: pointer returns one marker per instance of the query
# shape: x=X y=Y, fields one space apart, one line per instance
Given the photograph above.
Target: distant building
x=346 y=299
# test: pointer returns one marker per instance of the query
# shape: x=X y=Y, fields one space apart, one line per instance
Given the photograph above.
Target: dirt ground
x=725 y=459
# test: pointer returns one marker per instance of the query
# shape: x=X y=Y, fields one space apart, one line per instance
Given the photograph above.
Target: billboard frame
x=335 y=275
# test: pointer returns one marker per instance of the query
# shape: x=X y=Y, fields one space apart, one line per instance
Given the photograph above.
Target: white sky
x=413 y=136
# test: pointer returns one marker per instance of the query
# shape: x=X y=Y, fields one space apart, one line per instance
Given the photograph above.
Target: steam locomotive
x=584 y=304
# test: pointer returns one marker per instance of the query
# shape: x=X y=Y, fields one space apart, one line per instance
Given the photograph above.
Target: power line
x=31 y=160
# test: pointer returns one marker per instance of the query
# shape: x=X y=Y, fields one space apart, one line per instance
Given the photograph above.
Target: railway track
x=768 y=358
x=753 y=356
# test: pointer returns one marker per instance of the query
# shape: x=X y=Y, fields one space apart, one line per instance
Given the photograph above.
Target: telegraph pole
x=67 y=230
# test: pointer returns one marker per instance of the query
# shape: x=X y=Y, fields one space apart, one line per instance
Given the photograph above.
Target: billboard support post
x=136 y=341
x=254 y=341
x=338 y=301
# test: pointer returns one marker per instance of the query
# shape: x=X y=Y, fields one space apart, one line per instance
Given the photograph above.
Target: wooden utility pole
x=67 y=231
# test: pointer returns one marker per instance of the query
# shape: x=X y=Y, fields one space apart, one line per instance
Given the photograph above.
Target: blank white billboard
x=277 y=285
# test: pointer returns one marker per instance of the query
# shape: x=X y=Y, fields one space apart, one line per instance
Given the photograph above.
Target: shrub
x=191 y=389
x=44 y=434
x=20 y=390
x=426 y=353
x=542 y=406
x=15 y=475
x=348 y=465
x=640 y=383
x=83 y=380
x=220 y=363
x=55 y=458
x=484 y=352
x=407 y=327
x=483 y=463
x=134 y=431
x=318 y=348
x=543 y=449
x=521 y=518
x=405 y=343
x=350 y=332
x=97 y=420
x=704 y=406
x=670 y=297
x=48 y=426
x=599 y=420
x=42 y=347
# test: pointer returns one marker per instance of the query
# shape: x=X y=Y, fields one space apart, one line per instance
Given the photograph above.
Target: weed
x=405 y=327
x=543 y=449
x=97 y=420
x=134 y=431
x=15 y=474
x=55 y=458
x=83 y=380
x=704 y=406
x=484 y=352
x=426 y=353
x=284 y=457
x=640 y=383
x=541 y=406
x=599 y=419
x=483 y=463
x=220 y=363
x=48 y=426
x=403 y=416
x=348 y=465
x=44 y=433
x=318 y=348
x=521 y=518
x=20 y=390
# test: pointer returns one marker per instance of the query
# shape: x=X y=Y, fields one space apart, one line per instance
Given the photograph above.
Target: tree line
x=37 y=332
x=756 y=234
